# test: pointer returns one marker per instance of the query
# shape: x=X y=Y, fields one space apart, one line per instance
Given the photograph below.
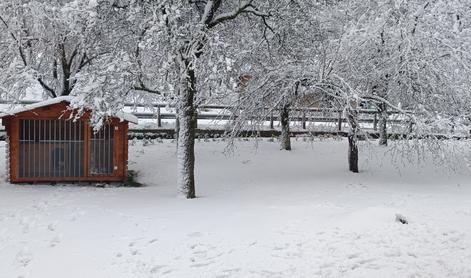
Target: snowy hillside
x=260 y=213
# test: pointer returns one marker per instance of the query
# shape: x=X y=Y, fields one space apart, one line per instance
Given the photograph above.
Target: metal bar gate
x=51 y=149
x=101 y=152
x=55 y=149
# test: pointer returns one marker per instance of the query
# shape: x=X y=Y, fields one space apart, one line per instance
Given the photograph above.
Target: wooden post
x=340 y=121
x=271 y=121
x=159 y=119
x=303 y=120
x=14 y=126
x=375 y=122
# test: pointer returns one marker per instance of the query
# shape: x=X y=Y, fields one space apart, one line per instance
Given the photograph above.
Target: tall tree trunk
x=186 y=136
x=284 y=119
x=352 y=154
x=383 y=120
x=352 y=118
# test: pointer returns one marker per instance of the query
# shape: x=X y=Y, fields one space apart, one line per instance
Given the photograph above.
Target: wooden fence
x=220 y=113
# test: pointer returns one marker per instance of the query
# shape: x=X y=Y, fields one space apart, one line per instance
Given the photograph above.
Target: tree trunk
x=351 y=113
x=186 y=137
x=352 y=154
x=383 y=120
x=284 y=119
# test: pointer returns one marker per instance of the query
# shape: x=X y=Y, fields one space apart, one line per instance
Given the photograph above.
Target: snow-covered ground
x=261 y=213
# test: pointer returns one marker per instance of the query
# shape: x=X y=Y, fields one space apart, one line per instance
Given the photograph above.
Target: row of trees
x=261 y=56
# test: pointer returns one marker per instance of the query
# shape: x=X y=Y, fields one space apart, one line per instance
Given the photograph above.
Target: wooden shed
x=45 y=145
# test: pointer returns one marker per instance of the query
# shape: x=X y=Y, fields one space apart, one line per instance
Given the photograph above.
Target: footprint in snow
x=195 y=234
x=55 y=241
x=24 y=257
x=253 y=243
x=202 y=264
x=156 y=268
x=52 y=226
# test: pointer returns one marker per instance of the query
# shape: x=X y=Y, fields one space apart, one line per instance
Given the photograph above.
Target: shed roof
x=120 y=114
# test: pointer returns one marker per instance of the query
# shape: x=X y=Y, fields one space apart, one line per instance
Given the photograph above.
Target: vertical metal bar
x=23 y=163
x=99 y=152
x=80 y=150
x=41 y=146
x=110 y=149
x=74 y=141
x=39 y=149
x=69 y=156
x=30 y=153
x=34 y=148
x=26 y=161
x=108 y=142
x=66 y=148
x=105 y=150
x=22 y=150
x=58 y=147
x=100 y=135
x=91 y=151
x=40 y=156
x=67 y=142
x=54 y=148
x=63 y=147
x=48 y=148
x=44 y=148
x=102 y=153
x=30 y=149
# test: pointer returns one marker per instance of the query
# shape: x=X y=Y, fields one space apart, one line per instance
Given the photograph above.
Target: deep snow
x=261 y=213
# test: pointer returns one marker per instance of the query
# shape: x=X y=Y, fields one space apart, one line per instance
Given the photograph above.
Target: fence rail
x=300 y=115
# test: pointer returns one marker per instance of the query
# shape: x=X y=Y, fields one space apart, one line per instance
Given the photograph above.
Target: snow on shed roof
x=122 y=115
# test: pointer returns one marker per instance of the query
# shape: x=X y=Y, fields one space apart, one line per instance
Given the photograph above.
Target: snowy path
x=264 y=214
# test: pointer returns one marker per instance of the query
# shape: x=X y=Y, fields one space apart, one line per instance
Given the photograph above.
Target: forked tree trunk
x=186 y=137
x=284 y=119
x=383 y=120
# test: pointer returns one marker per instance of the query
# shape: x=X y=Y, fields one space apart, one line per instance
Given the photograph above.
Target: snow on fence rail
x=222 y=113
